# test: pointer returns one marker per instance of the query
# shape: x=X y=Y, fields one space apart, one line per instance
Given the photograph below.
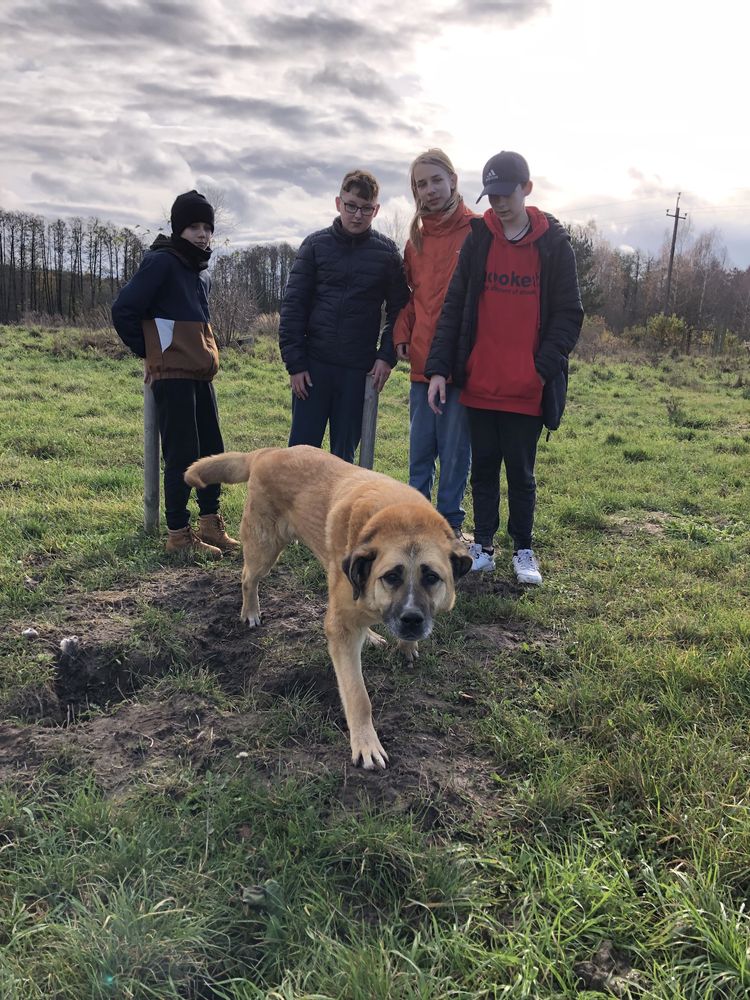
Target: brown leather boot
x=213 y=530
x=187 y=541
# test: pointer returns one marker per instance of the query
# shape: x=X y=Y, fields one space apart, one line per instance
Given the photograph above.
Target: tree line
x=71 y=270
x=246 y=283
x=65 y=269
x=708 y=300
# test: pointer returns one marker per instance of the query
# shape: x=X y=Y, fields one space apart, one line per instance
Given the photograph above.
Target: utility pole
x=676 y=218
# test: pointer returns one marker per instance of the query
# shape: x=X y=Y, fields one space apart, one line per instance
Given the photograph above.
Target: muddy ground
x=104 y=710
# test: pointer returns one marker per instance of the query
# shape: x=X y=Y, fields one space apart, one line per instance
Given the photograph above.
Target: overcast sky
x=112 y=108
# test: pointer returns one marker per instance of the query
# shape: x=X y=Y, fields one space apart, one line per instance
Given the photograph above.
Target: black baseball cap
x=503 y=173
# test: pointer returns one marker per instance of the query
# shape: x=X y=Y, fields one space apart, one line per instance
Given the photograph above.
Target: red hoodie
x=500 y=372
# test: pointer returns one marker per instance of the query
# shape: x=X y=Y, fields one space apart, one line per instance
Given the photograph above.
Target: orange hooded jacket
x=429 y=274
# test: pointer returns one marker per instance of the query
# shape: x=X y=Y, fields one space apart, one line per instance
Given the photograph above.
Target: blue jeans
x=445 y=437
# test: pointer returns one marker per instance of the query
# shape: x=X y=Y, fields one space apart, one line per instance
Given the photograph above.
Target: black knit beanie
x=189 y=208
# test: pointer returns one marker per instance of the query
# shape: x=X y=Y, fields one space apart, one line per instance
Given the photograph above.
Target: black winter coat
x=332 y=305
x=561 y=313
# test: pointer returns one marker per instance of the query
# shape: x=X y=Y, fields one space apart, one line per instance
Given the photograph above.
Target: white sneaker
x=480 y=560
x=526 y=567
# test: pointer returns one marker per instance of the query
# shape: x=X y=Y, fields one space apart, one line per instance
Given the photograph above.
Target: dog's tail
x=231 y=467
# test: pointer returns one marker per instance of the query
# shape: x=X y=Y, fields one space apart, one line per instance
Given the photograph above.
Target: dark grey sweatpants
x=498 y=438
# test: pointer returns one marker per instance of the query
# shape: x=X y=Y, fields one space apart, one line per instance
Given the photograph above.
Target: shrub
x=665 y=331
x=267 y=325
x=595 y=339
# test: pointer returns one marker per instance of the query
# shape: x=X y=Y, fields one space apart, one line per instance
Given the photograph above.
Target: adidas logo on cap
x=503 y=173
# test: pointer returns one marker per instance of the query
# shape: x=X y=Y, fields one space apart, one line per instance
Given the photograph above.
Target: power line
x=624 y=218
x=719 y=210
x=716 y=209
x=609 y=204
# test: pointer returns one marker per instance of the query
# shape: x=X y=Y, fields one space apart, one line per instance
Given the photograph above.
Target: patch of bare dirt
x=96 y=717
x=489 y=583
x=652 y=522
x=135 y=742
x=609 y=971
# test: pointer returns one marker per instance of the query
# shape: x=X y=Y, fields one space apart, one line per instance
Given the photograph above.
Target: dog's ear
x=357 y=567
x=461 y=563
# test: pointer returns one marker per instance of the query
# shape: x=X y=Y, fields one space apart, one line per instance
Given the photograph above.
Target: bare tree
x=233 y=305
x=395 y=225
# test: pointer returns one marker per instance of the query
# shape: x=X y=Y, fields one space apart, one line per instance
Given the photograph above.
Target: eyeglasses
x=351 y=209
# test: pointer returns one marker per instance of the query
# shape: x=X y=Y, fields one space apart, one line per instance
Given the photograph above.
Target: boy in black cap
x=511 y=316
x=162 y=315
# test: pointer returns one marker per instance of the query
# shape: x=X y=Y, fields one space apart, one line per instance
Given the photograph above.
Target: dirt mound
x=100 y=717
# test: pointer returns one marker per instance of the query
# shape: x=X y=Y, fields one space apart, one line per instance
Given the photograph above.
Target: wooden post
x=369 y=425
x=150 y=462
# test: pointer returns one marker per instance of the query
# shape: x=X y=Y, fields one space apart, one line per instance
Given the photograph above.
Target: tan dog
x=390 y=557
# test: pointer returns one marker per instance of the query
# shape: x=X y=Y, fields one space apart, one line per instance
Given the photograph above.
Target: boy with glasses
x=329 y=334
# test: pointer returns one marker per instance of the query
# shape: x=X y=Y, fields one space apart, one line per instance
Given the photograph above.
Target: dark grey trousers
x=189 y=430
x=498 y=438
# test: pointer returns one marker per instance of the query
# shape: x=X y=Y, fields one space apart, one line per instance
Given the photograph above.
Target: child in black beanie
x=162 y=315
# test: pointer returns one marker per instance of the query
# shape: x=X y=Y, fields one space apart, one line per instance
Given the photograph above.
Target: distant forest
x=708 y=304
x=70 y=271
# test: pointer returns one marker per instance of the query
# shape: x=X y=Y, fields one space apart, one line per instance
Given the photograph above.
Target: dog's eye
x=430 y=579
x=393 y=579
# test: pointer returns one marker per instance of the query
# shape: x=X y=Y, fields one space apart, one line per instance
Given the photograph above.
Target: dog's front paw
x=252 y=618
x=374 y=639
x=409 y=650
x=367 y=749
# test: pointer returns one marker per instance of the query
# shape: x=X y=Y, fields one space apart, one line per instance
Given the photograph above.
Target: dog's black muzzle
x=410 y=623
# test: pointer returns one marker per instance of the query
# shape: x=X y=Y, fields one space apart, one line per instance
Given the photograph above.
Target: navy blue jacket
x=561 y=313
x=162 y=315
x=333 y=301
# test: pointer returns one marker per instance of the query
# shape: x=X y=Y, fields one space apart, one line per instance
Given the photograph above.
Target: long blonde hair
x=437 y=158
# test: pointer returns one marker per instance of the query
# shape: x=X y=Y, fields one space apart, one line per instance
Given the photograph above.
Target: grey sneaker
x=481 y=561
x=526 y=567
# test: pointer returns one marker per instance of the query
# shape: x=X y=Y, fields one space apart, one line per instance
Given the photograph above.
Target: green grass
x=590 y=739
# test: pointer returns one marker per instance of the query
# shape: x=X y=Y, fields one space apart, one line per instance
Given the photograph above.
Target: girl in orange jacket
x=438 y=229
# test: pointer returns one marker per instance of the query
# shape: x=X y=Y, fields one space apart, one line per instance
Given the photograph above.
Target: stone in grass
x=30 y=633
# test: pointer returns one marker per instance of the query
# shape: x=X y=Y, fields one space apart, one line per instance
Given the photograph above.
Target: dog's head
x=404 y=566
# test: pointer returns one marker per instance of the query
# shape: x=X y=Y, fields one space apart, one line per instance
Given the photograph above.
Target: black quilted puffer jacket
x=333 y=301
